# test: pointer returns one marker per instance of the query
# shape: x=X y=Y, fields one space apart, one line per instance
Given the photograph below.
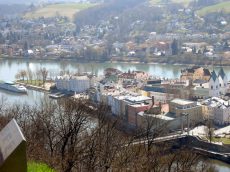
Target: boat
x=57 y=95
x=10 y=86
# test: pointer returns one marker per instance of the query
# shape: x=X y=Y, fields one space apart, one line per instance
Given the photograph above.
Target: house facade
x=195 y=73
x=217 y=110
x=73 y=83
x=179 y=107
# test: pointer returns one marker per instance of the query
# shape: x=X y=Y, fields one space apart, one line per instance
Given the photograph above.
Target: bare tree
x=18 y=76
x=44 y=74
x=30 y=75
x=23 y=74
x=38 y=77
x=71 y=136
x=209 y=130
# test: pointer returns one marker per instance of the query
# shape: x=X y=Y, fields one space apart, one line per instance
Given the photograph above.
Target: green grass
x=225 y=141
x=184 y=2
x=154 y=2
x=38 y=167
x=32 y=82
x=224 y=6
x=66 y=9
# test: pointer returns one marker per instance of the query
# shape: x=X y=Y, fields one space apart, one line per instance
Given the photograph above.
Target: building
x=73 y=83
x=178 y=107
x=159 y=121
x=138 y=75
x=166 y=90
x=159 y=92
x=133 y=100
x=133 y=111
x=223 y=81
x=112 y=71
x=216 y=85
x=217 y=110
x=148 y=108
x=195 y=73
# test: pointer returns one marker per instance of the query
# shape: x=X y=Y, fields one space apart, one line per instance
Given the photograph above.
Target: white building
x=216 y=109
x=214 y=85
x=73 y=83
x=217 y=85
x=223 y=81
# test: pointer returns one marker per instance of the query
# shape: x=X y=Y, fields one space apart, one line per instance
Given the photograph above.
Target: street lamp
x=187 y=118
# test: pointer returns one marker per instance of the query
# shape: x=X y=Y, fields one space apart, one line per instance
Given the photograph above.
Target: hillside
x=28 y=2
x=65 y=9
x=10 y=10
x=10 y=2
x=224 y=6
x=105 y=11
x=184 y=2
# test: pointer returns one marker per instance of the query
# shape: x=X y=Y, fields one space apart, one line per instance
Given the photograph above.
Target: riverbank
x=43 y=88
x=164 y=60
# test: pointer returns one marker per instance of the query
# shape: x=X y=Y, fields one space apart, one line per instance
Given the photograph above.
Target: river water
x=9 y=68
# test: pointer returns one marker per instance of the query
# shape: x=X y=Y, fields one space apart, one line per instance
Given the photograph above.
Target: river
x=9 y=68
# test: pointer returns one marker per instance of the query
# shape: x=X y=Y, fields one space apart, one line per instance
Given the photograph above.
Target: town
x=182 y=40
x=199 y=95
x=114 y=85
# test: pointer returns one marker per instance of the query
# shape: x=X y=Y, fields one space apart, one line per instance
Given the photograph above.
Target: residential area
x=114 y=85
x=184 y=39
x=198 y=97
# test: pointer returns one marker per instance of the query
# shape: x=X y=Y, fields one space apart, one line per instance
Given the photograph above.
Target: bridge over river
x=211 y=150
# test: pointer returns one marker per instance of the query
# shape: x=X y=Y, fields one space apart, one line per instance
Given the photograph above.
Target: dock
x=33 y=87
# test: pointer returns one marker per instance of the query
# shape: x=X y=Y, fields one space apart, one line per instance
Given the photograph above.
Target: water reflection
x=9 y=68
x=221 y=166
x=31 y=98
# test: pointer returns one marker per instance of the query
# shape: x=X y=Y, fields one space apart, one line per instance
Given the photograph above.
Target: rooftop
x=213 y=75
x=164 y=117
x=217 y=102
x=199 y=81
x=135 y=99
x=182 y=101
x=221 y=73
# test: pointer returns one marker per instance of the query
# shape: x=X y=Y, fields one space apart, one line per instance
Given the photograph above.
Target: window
x=220 y=85
x=212 y=87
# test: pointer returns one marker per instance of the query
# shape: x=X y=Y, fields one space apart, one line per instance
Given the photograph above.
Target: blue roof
x=155 y=89
x=213 y=75
x=221 y=73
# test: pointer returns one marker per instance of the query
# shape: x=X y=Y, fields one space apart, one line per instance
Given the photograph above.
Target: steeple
x=213 y=75
x=221 y=73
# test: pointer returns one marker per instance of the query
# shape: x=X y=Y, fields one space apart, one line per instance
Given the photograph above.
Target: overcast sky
x=33 y=1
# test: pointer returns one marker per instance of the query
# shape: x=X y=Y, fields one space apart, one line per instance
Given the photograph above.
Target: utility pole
x=187 y=123
x=183 y=115
x=182 y=123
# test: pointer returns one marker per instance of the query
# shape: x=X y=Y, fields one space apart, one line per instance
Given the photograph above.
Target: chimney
x=153 y=102
x=160 y=106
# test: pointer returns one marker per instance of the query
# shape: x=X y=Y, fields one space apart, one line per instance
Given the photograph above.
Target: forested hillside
x=105 y=11
x=12 y=9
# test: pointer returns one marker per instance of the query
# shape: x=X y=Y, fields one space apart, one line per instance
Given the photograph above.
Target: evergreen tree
x=26 y=46
x=194 y=50
x=174 y=47
x=2 y=39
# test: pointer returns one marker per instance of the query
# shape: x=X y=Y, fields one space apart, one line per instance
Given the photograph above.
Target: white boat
x=10 y=86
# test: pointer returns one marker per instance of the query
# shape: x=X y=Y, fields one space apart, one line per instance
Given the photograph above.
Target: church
x=206 y=83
